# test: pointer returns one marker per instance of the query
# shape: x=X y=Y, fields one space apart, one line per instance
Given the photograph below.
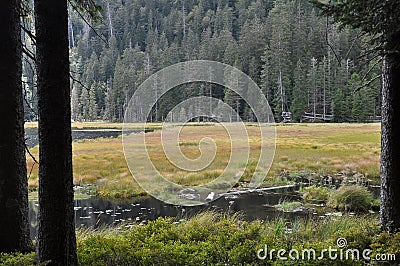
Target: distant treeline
x=302 y=62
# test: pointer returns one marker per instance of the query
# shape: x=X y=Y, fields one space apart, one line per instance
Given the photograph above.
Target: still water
x=94 y=213
x=32 y=139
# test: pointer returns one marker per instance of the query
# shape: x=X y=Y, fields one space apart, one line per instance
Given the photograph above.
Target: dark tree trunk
x=390 y=164
x=56 y=234
x=14 y=227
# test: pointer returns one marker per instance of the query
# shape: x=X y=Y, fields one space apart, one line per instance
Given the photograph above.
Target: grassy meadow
x=302 y=150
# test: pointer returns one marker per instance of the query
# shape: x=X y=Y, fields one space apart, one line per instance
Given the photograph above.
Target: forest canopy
x=304 y=63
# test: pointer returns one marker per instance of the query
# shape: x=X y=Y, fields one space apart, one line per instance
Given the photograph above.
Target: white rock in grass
x=210 y=196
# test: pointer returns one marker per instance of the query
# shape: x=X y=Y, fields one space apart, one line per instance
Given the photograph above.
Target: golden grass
x=328 y=148
x=307 y=148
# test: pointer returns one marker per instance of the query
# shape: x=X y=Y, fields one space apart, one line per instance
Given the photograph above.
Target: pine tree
x=279 y=51
x=300 y=90
x=14 y=225
x=363 y=100
x=84 y=105
x=256 y=33
x=56 y=233
x=75 y=105
x=92 y=105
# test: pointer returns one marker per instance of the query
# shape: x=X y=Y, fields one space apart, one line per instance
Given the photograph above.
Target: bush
x=376 y=204
x=314 y=193
x=350 y=198
x=15 y=259
x=218 y=239
x=386 y=243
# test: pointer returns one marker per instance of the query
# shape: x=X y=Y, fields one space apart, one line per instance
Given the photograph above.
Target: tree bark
x=14 y=226
x=56 y=233
x=390 y=165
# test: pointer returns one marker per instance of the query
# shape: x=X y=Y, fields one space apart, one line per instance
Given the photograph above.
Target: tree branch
x=28 y=104
x=85 y=20
x=79 y=82
x=28 y=54
x=30 y=154
x=353 y=42
x=370 y=69
x=329 y=45
x=30 y=171
x=33 y=158
x=365 y=85
x=30 y=34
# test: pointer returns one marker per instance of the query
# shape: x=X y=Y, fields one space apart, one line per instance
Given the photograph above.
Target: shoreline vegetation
x=311 y=153
x=220 y=239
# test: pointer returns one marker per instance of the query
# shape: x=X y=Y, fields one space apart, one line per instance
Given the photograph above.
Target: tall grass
x=307 y=150
x=351 y=198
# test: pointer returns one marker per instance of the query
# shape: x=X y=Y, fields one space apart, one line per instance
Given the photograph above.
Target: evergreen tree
x=84 y=105
x=92 y=107
x=75 y=103
x=56 y=233
x=300 y=90
x=278 y=54
x=268 y=38
x=14 y=225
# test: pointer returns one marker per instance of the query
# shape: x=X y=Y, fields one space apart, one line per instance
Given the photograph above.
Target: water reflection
x=94 y=213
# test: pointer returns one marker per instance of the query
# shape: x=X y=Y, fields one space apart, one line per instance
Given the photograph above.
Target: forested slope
x=302 y=62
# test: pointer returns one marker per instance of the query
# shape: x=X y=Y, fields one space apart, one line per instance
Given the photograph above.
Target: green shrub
x=350 y=198
x=376 y=204
x=17 y=259
x=386 y=243
x=314 y=193
x=218 y=239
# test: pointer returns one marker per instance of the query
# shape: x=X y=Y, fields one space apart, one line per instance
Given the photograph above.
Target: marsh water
x=31 y=134
x=95 y=213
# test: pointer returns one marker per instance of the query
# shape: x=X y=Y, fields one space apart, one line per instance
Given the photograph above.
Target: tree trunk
x=110 y=25
x=14 y=226
x=56 y=233
x=390 y=166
